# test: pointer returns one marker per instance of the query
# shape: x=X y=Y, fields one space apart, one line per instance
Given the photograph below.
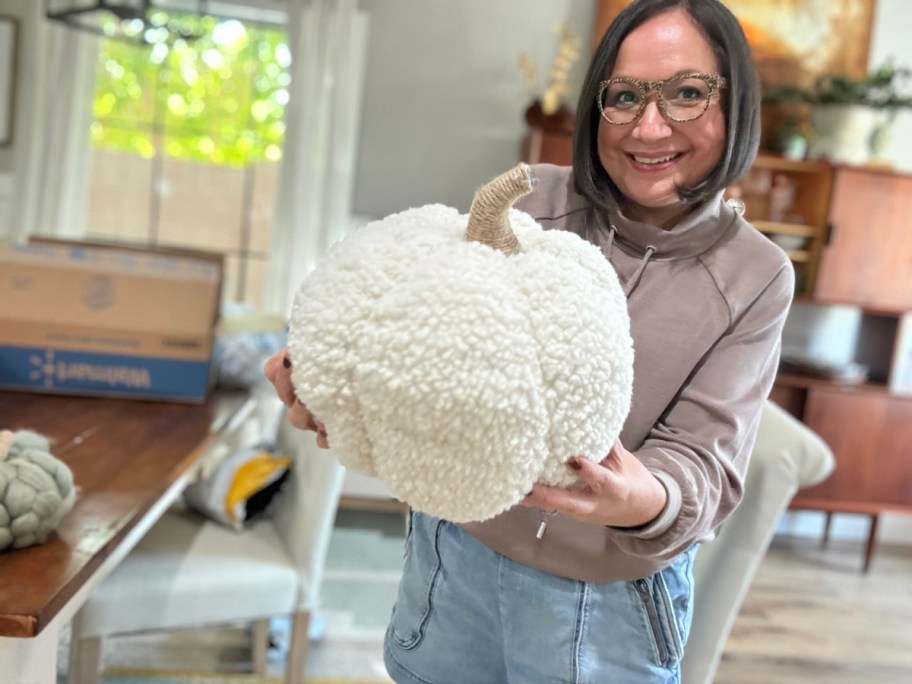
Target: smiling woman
x=502 y=599
x=650 y=152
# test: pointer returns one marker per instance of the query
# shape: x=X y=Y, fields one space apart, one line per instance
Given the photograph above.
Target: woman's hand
x=617 y=492
x=277 y=370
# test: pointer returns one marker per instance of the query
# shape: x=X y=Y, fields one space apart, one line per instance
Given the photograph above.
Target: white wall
x=890 y=40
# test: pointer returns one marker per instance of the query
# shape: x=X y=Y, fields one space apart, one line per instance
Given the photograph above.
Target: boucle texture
x=455 y=373
x=36 y=489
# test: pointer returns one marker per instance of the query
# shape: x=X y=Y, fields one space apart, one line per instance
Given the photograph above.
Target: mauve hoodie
x=707 y=303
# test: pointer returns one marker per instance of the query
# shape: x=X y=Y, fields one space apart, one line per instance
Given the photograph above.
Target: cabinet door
x=869 y=258
x=870 y=433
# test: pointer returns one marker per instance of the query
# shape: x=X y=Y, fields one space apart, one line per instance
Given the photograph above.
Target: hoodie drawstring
x=611 y=233
x=635 y=278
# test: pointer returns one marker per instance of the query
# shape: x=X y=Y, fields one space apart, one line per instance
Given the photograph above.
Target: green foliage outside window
x=219 y=99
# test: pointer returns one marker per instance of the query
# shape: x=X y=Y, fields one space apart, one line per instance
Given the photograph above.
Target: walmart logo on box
x=76 y=371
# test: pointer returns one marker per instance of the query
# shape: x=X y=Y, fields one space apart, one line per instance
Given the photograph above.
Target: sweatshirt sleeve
x=700 y=448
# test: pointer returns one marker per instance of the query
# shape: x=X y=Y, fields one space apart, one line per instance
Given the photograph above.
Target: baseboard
x=892 y=528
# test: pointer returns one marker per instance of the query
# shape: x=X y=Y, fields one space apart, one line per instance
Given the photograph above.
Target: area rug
x=141 y=676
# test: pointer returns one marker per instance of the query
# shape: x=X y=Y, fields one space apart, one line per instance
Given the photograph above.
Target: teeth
x=653 y=160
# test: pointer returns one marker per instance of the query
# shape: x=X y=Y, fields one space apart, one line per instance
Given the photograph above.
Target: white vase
x=842 y=133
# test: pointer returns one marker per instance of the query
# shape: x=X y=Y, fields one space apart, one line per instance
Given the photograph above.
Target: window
x=187 y=137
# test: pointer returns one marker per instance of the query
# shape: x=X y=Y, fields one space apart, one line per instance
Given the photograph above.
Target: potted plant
x=850 y=117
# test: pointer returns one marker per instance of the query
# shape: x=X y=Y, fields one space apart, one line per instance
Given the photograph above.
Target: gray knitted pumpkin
x=36 y=489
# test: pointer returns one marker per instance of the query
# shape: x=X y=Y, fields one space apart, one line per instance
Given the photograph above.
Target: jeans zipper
x=642 y=587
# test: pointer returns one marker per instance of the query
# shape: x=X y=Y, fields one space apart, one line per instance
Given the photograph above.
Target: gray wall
x=444 y=97
x=18 y=9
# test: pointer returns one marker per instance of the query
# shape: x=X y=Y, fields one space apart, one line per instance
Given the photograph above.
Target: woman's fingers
x=322 y=437
x=575 y=502
x=301 y=417
x=277 y=370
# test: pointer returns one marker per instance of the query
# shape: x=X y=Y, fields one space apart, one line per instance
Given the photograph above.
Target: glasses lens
x=686 y=98
x=621 y=102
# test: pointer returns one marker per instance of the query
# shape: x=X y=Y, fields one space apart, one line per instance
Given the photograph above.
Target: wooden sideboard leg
x=826 y=527
x=872 y=541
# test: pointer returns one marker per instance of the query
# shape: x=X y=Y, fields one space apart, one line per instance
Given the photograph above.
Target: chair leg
x=85 y=661
x=297 y=652
x=259 y=645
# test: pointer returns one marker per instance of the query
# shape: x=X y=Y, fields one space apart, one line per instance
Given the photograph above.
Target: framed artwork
x=9 y=44
x=793 y=41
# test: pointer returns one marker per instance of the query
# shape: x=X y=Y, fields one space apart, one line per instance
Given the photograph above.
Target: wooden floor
x=813 y=617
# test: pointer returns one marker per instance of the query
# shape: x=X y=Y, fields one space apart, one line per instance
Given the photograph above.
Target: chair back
x=786 y=456
x=305 y=511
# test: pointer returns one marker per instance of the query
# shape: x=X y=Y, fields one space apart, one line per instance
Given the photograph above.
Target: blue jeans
x=467 y=615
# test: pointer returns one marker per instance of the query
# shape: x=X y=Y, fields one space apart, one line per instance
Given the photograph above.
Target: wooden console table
x=130 y=461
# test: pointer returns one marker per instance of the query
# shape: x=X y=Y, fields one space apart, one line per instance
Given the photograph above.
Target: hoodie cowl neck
x=694 y=234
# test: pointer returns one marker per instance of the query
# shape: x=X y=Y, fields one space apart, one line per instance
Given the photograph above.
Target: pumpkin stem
x=489 y=221
x=6 y=442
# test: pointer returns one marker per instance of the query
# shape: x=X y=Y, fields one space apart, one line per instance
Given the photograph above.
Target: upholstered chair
x=190 y=571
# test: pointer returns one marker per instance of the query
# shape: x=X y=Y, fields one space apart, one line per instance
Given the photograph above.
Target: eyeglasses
x=679 y=98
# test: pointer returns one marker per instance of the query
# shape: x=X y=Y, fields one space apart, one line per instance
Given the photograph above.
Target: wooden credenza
x=870 y=431
x=866 y=264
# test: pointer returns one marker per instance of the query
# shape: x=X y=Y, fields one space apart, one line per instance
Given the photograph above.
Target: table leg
x=872 y=541
x=32 y=660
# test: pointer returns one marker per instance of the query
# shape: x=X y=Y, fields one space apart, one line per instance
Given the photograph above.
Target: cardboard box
x=106 y=319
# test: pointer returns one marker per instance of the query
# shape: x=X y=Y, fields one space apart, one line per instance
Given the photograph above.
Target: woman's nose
x=651 y=125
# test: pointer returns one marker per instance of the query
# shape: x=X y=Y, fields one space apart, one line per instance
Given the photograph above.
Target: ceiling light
x=141 y=22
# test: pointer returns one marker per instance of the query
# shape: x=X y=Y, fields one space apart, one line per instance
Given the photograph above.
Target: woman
x=593 y=584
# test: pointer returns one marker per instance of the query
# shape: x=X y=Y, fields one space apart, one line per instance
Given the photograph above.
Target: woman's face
x=649 y=158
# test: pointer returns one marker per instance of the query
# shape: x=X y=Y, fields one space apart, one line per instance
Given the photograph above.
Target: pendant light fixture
x=141 y=22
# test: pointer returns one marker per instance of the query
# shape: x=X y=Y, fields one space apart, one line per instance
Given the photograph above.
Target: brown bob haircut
x=740 y=99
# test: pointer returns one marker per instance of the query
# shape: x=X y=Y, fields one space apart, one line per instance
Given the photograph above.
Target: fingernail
x=574 y=464
x=286 y=362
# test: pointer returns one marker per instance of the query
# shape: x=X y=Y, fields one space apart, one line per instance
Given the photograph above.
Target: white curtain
x=51 y=153
x=328 y=40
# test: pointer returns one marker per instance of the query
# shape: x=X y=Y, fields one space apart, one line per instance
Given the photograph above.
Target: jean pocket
x=420 y=576
x=660 y=618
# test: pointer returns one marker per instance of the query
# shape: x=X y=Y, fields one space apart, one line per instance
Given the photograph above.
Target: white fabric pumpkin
x=36 y=489
x=456 y=372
